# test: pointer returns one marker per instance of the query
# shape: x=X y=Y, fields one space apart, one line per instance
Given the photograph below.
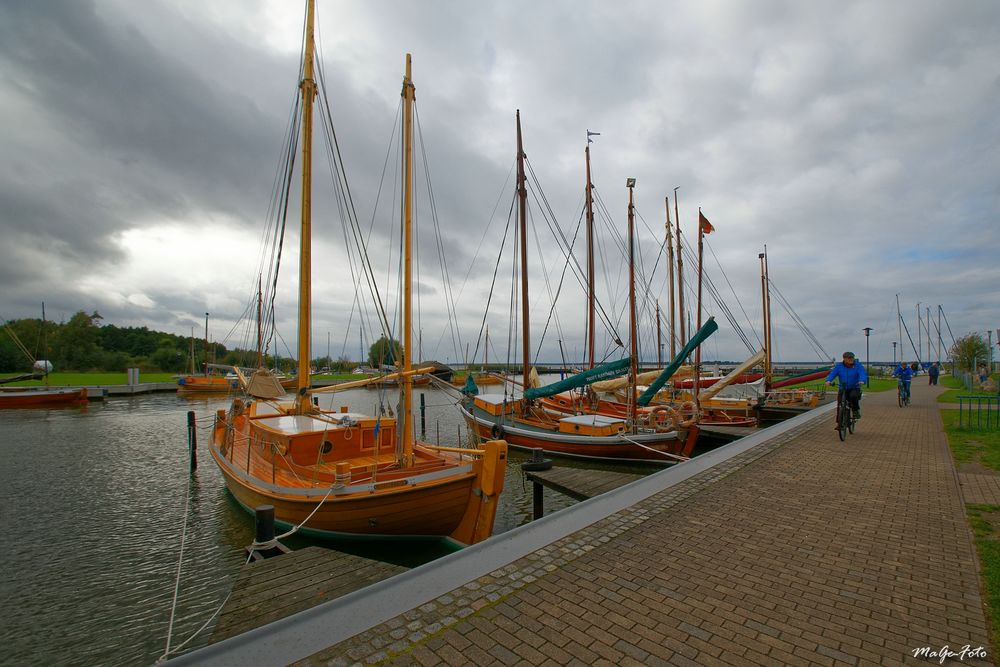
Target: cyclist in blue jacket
x=852 y=375
x=905 y=374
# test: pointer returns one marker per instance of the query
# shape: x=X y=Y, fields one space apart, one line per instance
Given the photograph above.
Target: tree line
x=84 y=344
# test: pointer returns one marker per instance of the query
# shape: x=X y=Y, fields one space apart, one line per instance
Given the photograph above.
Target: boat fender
x=663 y=417
x=688 y=412
x=497 y=432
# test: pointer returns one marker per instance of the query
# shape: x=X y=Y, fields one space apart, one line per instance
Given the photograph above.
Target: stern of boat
x=477 y=523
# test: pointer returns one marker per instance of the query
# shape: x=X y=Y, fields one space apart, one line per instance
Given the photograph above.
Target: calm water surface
x=92 y=504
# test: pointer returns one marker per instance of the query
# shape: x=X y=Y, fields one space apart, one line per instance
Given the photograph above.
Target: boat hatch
x=591 y=425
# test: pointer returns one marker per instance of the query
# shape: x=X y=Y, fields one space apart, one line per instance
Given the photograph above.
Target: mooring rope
x=639 y=444
x=204 y=625
x=177 y=582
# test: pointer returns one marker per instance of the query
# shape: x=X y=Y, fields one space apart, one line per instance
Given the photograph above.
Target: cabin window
x=326 y=447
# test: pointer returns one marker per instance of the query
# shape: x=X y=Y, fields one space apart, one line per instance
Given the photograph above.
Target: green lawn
x=882 y=384
x=982 y=447
x=877 y=384
x=985 y=521
x=971 y=446
x=339 y=376
x=91 y=379
x=956 y=389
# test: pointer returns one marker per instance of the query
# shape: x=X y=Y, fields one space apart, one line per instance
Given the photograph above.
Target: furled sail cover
x=602 y=372
x=263 y=384
x=707 y=330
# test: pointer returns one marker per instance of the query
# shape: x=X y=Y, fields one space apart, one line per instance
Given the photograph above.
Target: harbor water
x=93 y=503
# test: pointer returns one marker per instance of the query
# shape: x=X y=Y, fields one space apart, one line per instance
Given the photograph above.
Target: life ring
x=691 y=410
x=663 y=417
x=496 y=432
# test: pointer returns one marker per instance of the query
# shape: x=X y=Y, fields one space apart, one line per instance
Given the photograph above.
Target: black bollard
x=423 y=417
x=539 y=463
x=537 y=506
x=192 y=440
x=264 y=533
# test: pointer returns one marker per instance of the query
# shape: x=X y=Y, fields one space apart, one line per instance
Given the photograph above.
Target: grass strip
x=984 y=521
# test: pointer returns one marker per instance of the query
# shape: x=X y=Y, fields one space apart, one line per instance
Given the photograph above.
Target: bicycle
x=902 y=394
x=845 y=415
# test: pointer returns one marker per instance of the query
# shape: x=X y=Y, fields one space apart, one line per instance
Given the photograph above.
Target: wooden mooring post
x=192 y=440
x=423 y=417
x=265 y=546
x=536 y=463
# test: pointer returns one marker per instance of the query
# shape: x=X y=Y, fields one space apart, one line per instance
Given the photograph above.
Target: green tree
x=168 y=358
x=968 y=351
x=74 y=345
x=384 y=351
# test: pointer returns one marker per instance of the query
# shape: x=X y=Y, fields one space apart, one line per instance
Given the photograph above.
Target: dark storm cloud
x=127 y=132
x=858 y=141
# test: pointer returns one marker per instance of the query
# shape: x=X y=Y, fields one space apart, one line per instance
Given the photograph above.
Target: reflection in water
x=93 y=503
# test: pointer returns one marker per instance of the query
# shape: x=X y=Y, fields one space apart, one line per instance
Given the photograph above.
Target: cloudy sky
x=859 y=141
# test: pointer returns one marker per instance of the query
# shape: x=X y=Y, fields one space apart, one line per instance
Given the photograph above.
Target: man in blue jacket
x=852 y=375
x=905 y=374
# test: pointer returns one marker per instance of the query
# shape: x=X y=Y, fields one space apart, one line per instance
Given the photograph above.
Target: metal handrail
x=984 y=418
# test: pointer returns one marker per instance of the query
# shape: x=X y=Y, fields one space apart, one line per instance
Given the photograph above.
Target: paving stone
x=802 y=550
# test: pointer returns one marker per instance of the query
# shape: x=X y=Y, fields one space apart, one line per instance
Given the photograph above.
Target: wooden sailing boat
x=44 y=397
x=347 y=473
x=206 y=382
x=483 y=376
x=525 y=422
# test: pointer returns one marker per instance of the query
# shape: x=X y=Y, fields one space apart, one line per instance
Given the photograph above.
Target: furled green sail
x=707 y=330
x=602 y=372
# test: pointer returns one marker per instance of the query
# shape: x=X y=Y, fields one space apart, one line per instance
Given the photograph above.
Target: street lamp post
x=868 y=357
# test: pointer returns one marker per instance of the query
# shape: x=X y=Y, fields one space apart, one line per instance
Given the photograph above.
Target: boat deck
x=581 y=483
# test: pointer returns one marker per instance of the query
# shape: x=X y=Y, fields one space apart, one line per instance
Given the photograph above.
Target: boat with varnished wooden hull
x=341 y=473
x=43 y=398
x=345 y=464
x=479 y=378
x=206 y=384
x=716 y=412
x=588 y=436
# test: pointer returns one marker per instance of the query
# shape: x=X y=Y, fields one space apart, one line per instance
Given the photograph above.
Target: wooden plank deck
x=270 y=589
x=579 y=483
x=726 y=433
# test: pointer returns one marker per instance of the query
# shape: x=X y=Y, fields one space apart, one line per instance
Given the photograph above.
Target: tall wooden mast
x=590 y=264
x=697 y=353
x=899 y=322
x=308 y=87
x=633 y=369
x=522 y=204
x=765 y=296
x=670 y=269
x=205 y=364
x=659 y=344
x=260 y=332
x=680 y=270
x=409 y=95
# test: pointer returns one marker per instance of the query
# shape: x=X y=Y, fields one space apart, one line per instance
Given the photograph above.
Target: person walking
x=933 y=372
x=852 y=375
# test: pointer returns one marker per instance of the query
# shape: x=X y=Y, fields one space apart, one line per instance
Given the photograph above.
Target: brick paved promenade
x=788 y=547
x=801 y=551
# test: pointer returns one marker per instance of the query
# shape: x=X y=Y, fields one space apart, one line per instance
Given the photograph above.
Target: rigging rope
x=810 y=338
